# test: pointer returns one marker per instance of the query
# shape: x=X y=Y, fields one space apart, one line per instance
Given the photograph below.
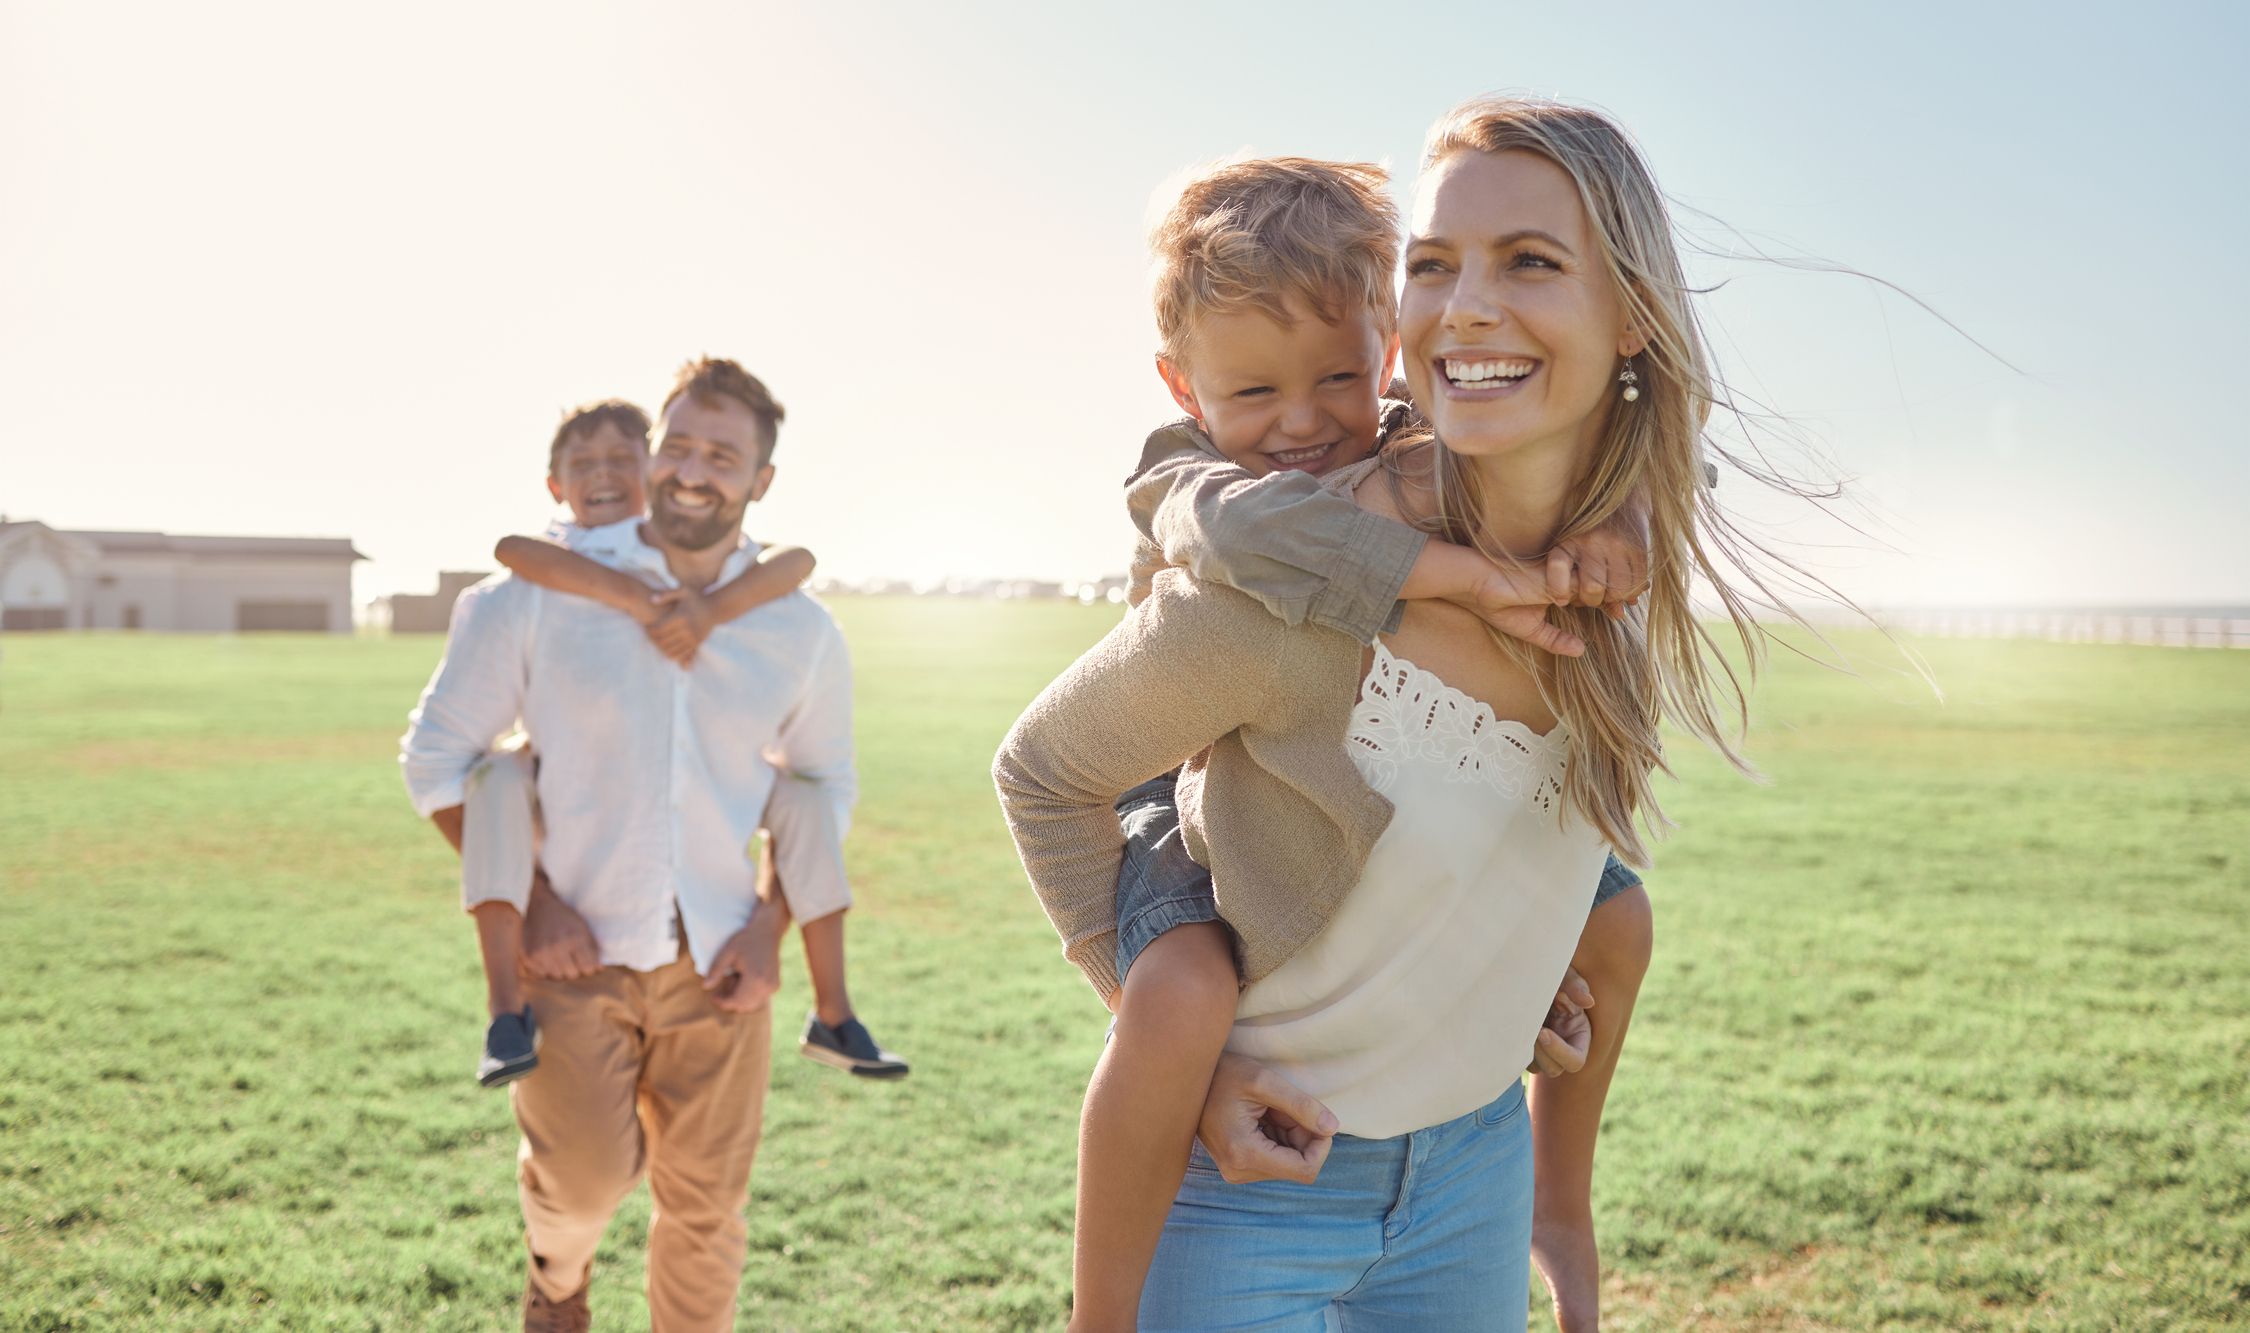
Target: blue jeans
x=1429 y=1230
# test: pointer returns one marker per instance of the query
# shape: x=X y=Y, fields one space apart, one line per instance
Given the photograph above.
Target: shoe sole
x=839 y=1060
x=515 y=1069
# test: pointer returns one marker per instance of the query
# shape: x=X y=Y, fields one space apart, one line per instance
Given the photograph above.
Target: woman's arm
x=1191 y=664
x=564 y=570
x=1566 y=1111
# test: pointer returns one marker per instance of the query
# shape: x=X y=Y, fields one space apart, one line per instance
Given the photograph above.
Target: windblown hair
x=710 y=377
x=585 y=420
x=1660 y=663
x=1247 y=235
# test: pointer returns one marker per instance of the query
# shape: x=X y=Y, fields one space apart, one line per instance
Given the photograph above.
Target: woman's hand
x=1258 y=1125
x=1568 y=1033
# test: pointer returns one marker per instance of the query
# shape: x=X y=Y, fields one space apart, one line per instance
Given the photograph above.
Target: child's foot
x=849 y=1046
x=511 y=1049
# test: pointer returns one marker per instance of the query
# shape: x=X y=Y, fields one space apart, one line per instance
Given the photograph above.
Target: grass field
x=1948 y=1026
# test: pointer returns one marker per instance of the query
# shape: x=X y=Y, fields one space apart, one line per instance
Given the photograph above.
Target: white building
x=51 y=579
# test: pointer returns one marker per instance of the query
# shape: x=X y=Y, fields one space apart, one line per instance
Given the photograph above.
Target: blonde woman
x=1406 y=834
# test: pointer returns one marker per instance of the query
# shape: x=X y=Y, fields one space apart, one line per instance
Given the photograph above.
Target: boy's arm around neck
x=565 y=570
x=1305 y=552
x=1188 y=666
x=777 y=572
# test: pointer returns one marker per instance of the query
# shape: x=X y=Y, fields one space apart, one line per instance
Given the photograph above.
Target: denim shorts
x=1616 y=878
x=1160 y=886
x=1428 y=1230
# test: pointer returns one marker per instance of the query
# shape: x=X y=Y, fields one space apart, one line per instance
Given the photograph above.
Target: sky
x=335 y=271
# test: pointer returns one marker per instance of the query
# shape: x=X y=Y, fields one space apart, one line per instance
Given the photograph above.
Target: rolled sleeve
x=1307 y=553
x=474 y=696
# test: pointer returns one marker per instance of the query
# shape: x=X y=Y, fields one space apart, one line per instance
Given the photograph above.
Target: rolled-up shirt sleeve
x=1306 y=552
x=814 y=742
x=475 y=695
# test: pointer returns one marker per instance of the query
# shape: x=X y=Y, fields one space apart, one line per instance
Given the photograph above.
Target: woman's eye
x=1530 y=260
x=1418 y=267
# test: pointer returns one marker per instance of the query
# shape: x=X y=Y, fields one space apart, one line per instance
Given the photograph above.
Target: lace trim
x=1407 y=713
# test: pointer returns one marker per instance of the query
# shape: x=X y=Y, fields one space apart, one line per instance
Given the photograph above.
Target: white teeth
x=1476 y=372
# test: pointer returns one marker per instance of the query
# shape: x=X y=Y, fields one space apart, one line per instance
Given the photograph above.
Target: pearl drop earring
x=1631 y=381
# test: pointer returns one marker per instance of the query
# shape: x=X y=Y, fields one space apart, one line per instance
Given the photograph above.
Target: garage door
x=258 y=616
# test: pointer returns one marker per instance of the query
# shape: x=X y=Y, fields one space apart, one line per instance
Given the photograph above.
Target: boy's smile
x=599 y=474
x=1300 y=396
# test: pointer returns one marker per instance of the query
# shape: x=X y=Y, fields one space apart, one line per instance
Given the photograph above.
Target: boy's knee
x=1184 y=980
x=1621 y=934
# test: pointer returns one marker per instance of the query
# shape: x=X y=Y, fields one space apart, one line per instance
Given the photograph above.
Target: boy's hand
x=746 y=971
x=557 y=942
x=1567 y=1034
x=648 y=608
x=1607 y=567
x=682 y=623
x=1512 y=600
x=1258 y=1125
x=1515 y=602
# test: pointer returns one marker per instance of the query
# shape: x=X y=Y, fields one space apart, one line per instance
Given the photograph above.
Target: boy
x=1276 y=312
x=595 y=467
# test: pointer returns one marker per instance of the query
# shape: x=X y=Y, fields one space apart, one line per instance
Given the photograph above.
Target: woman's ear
x=1632 y=342
x=1176 y=380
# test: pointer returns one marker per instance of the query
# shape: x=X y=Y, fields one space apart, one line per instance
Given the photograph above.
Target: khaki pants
x=639 y=1073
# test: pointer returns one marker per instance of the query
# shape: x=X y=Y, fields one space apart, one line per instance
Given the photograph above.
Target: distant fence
x=2151 y=629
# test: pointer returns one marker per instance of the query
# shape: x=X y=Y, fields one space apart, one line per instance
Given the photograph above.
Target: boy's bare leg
x=824 y=963
x=1566 y=1111
x=500 y=940
x=1140 y=1115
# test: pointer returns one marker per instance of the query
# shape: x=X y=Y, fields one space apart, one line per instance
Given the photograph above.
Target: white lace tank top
x=1422 y=999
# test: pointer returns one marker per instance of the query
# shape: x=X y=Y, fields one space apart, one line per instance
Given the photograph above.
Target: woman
x=1547 y=337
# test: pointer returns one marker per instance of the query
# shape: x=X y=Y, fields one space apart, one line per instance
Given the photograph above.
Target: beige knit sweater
x=1257 y=710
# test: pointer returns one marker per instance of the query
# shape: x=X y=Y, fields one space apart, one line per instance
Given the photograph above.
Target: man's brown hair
x=1248 y=235
x=587 y=419
x=710 y=377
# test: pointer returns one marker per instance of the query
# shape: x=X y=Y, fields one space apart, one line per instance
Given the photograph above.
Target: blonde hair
x=1662 y=663
x=1247 y=235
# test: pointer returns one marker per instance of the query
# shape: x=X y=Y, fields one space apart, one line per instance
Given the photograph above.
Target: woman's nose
x=1472 y=306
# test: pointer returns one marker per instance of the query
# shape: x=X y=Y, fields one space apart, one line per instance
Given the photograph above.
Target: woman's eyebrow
x=1533 y=234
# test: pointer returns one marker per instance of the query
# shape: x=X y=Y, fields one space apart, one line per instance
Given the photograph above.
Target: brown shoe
x=544 y=1314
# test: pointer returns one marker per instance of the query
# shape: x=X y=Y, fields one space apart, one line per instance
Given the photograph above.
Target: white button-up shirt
x=652 y=780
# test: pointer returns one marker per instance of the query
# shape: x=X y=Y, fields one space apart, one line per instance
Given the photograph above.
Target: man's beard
x=694 y=533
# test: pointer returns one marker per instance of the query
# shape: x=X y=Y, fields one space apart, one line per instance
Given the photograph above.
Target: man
x=653 y=950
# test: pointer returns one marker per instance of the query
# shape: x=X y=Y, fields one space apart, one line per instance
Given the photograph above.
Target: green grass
x=1948 y=1025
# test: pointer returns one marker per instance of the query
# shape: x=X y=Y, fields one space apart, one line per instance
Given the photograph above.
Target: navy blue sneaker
x=511 y=1049
x=848 y=1046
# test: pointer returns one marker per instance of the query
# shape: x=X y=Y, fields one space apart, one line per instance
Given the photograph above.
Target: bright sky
x=329 y=270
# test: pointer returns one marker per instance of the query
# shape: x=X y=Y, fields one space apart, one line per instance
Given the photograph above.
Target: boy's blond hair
x=1247 y=235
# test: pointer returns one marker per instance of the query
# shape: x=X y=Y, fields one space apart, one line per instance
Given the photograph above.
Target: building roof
x=164 y=543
